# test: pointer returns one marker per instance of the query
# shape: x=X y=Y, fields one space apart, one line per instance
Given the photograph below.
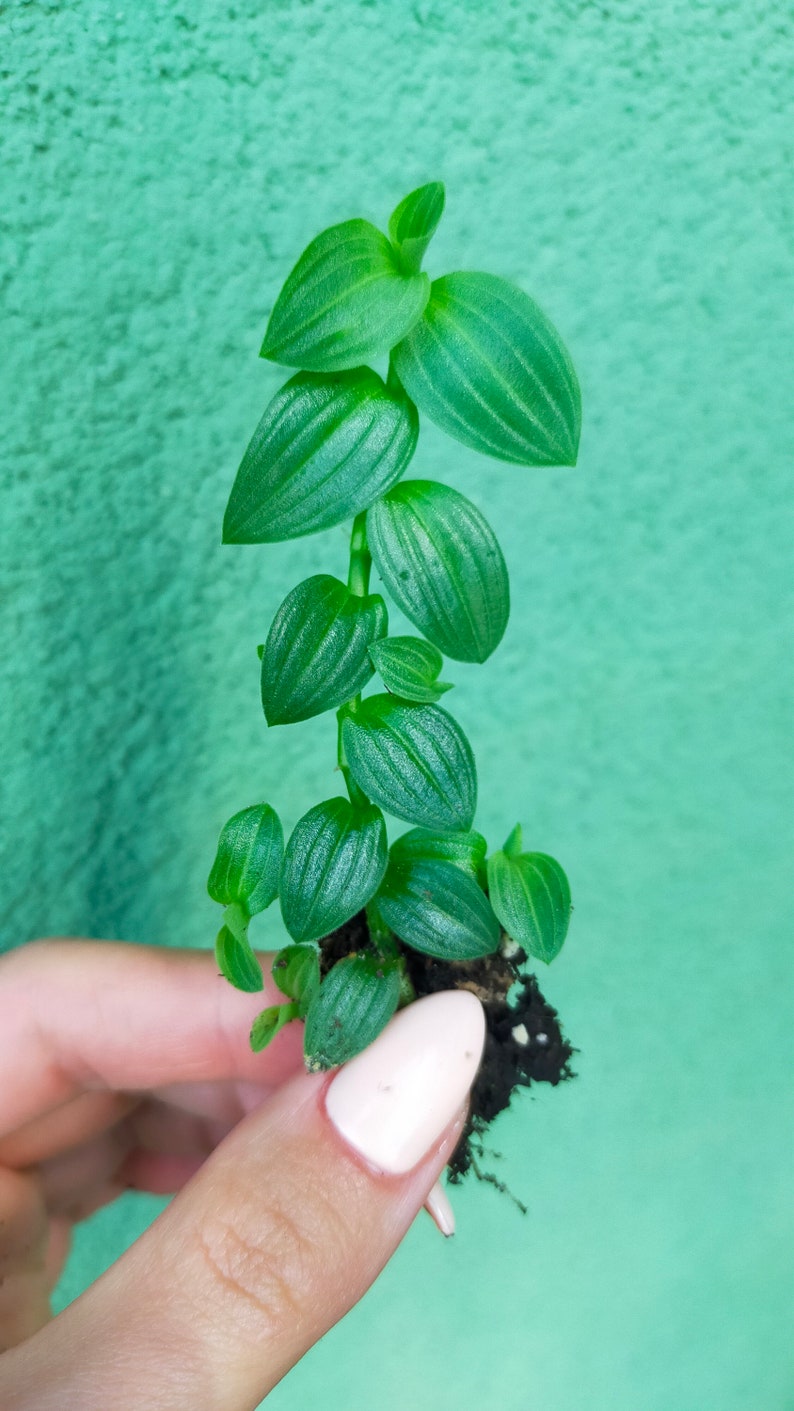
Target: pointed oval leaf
x=487 y=366
x=333 y=863
x=269 y=1023
x=531 y=896
x=409 y=668
x=296 y=971
x=414 y=760
x=354 y=1004
x=326 y=447
x=237 y=961
x=414 y=223
x=435 y=907
x=442 y=564
x=346 y=301
x=465 y=850
x=248 y=861
x=317 y=651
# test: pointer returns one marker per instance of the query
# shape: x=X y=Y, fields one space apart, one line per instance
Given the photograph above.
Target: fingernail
x=395 y=1100
x=440 y=1211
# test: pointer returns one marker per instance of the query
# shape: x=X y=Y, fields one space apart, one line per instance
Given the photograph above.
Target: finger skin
x=24 y=1254
x=92 y=1016
x=277 y=1236
x=155 y=1148
x=63 y=1127
x=91 y=1035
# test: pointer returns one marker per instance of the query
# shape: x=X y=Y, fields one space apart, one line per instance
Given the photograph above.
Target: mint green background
x=630 y=165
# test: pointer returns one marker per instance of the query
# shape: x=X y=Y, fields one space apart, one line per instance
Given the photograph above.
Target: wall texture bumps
x=630 y=166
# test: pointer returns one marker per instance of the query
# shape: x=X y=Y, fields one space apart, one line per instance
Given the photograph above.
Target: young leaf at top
x=441 y=563
x=355 y=1002
x=437 y=908
x=296 y=971
x=465 y=850
x=529 y=892
x=326 y=447
x=487 y=366
x=234 y=955
x=414 y=223
x=248 y=860
x=333 y=863
x=347 y=300
x=414 y=760
x=409 y=668
x=317 y=651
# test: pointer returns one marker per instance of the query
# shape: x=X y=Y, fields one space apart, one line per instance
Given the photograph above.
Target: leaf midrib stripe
x=326 y=249
x=432 y=521
x=419 y=577
x=453 y=355
x=479 y=437
x=371 y=428
x=550 y=347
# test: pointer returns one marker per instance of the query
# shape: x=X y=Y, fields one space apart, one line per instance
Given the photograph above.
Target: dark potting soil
x=524 y=1042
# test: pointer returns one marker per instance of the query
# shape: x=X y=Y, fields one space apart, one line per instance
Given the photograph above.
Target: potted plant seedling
x=375 y=925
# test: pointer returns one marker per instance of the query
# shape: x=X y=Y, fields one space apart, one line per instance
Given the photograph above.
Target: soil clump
x=524 y=1041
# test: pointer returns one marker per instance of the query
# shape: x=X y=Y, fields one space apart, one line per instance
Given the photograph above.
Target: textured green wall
x=630 y=165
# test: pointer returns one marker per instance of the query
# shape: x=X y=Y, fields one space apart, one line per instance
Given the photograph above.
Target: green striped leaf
x=414 y=223
x=413 y=760
x=233 y=952
x=296 y=971
x=326 y=447
x=441 y=563
x=465 y=850
x=346 y=300
x=514 y=844
x=530 y=894
x=248 y=861
x=333 y=864
x=487 y=366
x=435 y=907
x=354 y=1004
x=317 y=651
x=409 y=668
x=270 y=1023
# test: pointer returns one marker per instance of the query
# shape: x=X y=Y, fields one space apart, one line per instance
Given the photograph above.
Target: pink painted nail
x=396 y=1099
x=440 y=1211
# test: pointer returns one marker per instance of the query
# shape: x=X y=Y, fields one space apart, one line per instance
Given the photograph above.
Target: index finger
x=80 y=1016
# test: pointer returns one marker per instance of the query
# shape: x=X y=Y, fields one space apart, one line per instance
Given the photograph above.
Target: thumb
x=280 y=1233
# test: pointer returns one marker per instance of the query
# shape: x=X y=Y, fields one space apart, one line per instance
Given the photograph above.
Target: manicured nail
x=440 y=1211
x=397 y=1098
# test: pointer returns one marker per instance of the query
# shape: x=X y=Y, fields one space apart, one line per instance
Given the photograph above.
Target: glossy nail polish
x=395 y=1100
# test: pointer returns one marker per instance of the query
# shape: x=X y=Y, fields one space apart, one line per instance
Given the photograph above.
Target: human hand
x=127 y=1066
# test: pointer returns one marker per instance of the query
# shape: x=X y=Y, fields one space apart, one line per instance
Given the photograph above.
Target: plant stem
x=381 y=938
x=360 y=557
x=358 y=583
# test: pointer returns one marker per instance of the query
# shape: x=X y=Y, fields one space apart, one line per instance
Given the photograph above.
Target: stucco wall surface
x=630 y=166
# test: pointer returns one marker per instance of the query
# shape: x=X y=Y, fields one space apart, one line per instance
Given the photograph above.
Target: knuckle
x=268 y=1260
x=250 y=1274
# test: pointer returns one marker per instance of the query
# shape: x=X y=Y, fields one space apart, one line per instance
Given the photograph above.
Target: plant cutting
x=375 y=923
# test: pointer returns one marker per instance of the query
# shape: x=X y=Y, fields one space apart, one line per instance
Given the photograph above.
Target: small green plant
x=477 y=356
